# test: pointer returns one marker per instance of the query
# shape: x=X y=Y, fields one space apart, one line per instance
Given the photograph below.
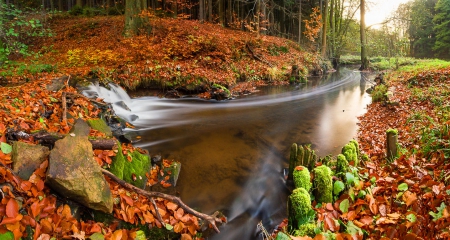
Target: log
x=211 y=219
x=391 y=144
x=49 y=139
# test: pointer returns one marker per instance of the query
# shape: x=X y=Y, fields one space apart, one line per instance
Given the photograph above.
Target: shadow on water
x=233 y=152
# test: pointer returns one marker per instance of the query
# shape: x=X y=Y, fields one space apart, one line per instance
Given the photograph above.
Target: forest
x=418 y=28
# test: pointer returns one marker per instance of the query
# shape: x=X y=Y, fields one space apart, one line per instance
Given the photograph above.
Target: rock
x=132 y=172
x=101 y=126
x=123 y=105
x=27 y=158
x=75 y=174
x=173 y=171
x=57 y=83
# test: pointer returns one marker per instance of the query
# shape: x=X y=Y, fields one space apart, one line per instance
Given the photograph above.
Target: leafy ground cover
x=404 y=197
x=170 y=53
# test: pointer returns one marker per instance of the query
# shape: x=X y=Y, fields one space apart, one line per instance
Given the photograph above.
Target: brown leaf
x=185 y=236
x=171 y=206
x=409 y=198
x=366 y=220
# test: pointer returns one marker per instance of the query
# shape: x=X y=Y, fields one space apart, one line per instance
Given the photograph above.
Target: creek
x=233 y=153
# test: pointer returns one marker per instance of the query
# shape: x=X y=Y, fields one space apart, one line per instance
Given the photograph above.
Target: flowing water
x=233 y=152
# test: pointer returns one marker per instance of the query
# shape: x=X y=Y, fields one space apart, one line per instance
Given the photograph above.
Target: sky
x=379 y=10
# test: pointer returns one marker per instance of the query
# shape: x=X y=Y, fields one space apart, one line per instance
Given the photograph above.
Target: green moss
x=292 y=160
x=300 y=201
x=355 y=143
x=323 y=184
x=132 y=172
x=101 y=126
x=224 y=89
x=341 y=165
x=118 y=162
x=305 y=230
x=349 y=151
x=302 y=178
x=393 y=131
x=137 y=168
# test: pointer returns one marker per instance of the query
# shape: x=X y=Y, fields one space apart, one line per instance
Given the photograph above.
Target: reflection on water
x=233 y=152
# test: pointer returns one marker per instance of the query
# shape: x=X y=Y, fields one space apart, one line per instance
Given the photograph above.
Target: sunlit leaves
x=6 y=148
x=338 y=187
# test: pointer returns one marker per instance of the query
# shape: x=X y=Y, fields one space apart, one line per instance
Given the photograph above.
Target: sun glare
x=378 y=11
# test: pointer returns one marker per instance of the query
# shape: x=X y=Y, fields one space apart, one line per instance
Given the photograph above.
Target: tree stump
x=391 y=143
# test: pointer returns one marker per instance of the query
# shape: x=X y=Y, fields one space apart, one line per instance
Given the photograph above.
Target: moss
x=292 y=160
x=101 y=126
x=392 y=131
x=300 y=202
x=349 y=151
x=302 y=178
x=355 y=143
x=118 y=162
x=132 y=172
x=305 y=230
x=341 y=165
x=323 y=184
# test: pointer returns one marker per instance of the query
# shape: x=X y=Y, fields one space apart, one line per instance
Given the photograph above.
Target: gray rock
x=27 y=158
x=75 y=174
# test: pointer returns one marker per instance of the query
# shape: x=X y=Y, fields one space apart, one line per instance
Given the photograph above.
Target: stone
x=101 y=126
x=173 y=171
x=57 y=83
x=133 y=172
x=27 y=158
x=74 y=173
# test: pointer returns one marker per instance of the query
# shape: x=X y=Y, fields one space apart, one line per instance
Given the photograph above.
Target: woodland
x=220 y=49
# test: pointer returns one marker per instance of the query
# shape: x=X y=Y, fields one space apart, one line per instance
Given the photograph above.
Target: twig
x=157 y=212
x=64 y=105
x=211 y=219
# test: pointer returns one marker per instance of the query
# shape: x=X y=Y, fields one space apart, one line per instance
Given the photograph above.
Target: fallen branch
x=211 y=219
x=64 y=106
x=49 y=139
x=157 y=212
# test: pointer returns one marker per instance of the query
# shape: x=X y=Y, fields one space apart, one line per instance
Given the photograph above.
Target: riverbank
x=398 y=193
x=187 y=57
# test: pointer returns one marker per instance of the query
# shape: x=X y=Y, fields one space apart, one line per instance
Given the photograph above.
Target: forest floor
x=405 y=198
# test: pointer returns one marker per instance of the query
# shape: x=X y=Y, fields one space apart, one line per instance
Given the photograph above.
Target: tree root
x=211 y=219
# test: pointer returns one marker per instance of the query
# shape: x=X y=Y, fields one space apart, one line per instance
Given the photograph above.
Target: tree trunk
x=300 y=22
x=333 y=28
x=79 y=3
x=210 y=5
x=263 y=17
x=221 y=13
x=201 y=11
x=133 y=22
x=362 y=30
x=258 y=9
x=324 y=28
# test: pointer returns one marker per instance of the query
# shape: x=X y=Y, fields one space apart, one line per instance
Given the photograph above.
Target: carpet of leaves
x=28 y=207
x=175 y=52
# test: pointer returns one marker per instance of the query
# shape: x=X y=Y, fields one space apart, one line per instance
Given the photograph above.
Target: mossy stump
x=323 y=184
x=301 y=156
x=302 y=178
x=299 y=205
x=391 y=144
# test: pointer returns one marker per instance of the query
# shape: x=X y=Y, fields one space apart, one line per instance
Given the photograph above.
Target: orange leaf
x=178 y=227
x=171 y=206
x=409 y=198
x=117 y=235
x=186 y=236
x=127 y=199
x=12 y=208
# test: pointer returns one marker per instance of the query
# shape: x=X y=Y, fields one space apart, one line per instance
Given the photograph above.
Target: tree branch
x=211 y=219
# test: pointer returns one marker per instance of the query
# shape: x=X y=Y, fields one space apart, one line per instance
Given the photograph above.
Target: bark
x=201 y=13
x=221 y=13
x=362 y=30
x=210 y=10
x=324 y=29
x=133 y=20
x=299 y=22
x=49 y=139
x=211 y=219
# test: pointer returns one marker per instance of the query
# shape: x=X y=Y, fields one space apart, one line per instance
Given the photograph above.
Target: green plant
x=379 y=93
x=15 y=27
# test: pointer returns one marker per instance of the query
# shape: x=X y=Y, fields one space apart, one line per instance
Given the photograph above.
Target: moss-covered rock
x=349 y=151
x=132 y=172
x=341 y=165
x=101 y=126
x=305 y=230
x=323 y=184
x=302 y=178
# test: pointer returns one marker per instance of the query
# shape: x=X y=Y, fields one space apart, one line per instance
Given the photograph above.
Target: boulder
x=75 y=174
x=173 y=171
x=27 y=158
x=101 y=126
x=132 y=171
